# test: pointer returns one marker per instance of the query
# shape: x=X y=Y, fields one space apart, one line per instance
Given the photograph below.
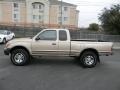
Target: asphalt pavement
x=60 y=73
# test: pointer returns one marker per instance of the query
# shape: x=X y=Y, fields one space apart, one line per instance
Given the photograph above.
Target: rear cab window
x=62 y=35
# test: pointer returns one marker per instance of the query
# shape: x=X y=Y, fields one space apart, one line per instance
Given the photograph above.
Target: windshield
x=2 y=32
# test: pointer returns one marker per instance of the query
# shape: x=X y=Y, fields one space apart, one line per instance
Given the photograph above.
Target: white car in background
x=6 y=35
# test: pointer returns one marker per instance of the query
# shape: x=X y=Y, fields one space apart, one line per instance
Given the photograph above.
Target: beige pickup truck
x=56 y=42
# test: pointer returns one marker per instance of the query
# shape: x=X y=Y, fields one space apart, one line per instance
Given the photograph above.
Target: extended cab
x=56 y=42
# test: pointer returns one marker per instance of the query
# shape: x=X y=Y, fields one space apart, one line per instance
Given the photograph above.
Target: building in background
x=38 y=13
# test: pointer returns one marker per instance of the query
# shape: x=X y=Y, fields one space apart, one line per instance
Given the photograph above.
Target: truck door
x=46 y=44
x=64 y=43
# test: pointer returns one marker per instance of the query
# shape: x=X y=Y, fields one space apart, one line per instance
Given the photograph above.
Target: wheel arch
x=19 y=47
x=4 y=38
x=90 y=49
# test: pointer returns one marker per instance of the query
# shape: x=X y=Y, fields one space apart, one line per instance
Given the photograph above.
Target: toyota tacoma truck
x=57 y=42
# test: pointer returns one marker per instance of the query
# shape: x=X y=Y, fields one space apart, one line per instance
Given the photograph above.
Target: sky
x=90 y=10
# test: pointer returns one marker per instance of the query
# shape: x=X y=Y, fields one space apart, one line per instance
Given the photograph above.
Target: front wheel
x=19 y=57
x=13 y=37
x=89 y=59
x=4 y=41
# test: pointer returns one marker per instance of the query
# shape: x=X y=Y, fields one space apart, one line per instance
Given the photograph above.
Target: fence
x=26 y=32
x=96 y=36
x=30 y=32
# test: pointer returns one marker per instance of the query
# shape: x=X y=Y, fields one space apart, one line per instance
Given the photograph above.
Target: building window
x=40 y=6
x=65 y=8
x=37 y=6
x=15 y=16
x=34 y=6
x=34 y=17
x=15 y=12
x=65 y=18
x=40 y=17
x=15 y=5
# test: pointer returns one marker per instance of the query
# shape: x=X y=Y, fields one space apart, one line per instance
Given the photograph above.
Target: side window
x=5 y=33
x=8 y=33
x=48 y=35
x=62 y=35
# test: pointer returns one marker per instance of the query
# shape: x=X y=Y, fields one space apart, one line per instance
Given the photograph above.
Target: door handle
x=53 y=43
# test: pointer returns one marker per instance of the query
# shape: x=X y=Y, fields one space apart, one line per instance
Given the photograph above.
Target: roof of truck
x=56 y=29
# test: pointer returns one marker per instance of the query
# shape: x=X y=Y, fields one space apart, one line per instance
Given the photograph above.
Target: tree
x=110 y=19
x=93 y=27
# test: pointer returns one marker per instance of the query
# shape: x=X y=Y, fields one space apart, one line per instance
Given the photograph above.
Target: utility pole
x=50 y=15
x=61 y=14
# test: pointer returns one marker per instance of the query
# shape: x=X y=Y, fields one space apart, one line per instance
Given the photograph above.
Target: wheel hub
x=19 y=58
x=89 y=60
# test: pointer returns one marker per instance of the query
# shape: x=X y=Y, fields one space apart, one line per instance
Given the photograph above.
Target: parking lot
x=60 y=74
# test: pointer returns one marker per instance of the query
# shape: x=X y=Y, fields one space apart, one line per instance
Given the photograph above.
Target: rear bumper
x=6 y=51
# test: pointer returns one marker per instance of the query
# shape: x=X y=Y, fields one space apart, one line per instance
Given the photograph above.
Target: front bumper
x=6 y=51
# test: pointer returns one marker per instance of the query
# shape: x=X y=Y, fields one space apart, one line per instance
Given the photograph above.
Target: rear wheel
x=89 y=59
x=20 y=57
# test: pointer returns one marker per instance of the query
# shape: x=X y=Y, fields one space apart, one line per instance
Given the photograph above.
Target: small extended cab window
x=48 y=35
x=62 y=35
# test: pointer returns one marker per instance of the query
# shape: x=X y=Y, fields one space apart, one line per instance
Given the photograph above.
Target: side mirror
x=37 y=38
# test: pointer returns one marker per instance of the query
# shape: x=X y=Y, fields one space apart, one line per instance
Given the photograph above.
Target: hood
x=21 y=40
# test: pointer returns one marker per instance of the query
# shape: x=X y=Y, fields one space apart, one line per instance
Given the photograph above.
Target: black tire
x=4 y=41
x=13 y=37
x=20 y=60
x=89 y=59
